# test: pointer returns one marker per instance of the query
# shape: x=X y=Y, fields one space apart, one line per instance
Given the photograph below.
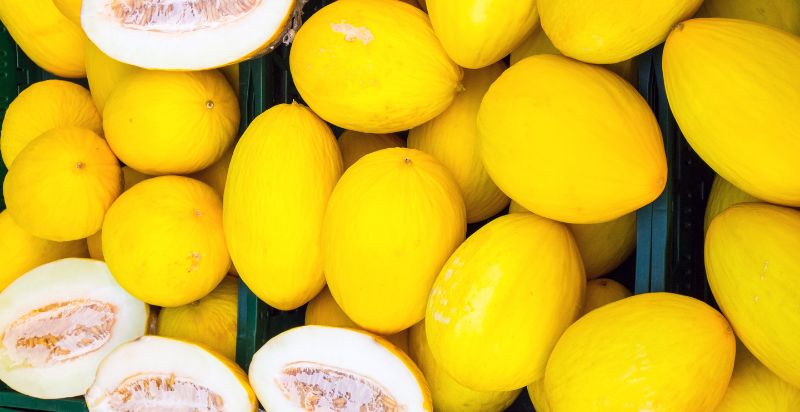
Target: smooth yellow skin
x=282 y=173
x=392 y=221
x=104 y=73
x=505 y=296
x=651 y=352
x=216 y=174
x=754 y=388
x=51 y=40
x=163 y=241
x=600 y=292
x=754 y=272
x=161 y=122
x=71 y=9
x=354 y=145
x=210 y=321
x=44 y=106
x=452 y=138
x=478 y=33
x=781 y=14
x=538 y=397
x=231 y=73
x=372 y=66
x=563 y=158
x=610 y=32
x=754 y=149
x=723 y=195
x=62 y=183
x=21 y=252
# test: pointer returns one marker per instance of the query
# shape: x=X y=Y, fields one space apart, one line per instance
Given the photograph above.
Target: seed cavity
x=163 y=392
x=179 y=15
x=353 y=33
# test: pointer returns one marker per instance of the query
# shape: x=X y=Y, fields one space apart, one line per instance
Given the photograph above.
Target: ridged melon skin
x=723 y=195
x=754 y=272
x=610 y=32
x=613 y=162
x=452 y=138
x=354 y=145
x=392 y=221
x=754 y=149
x=506 y=294
x=781 y=14
x=624 y=356
x=372 y=66
x=478 y=33
x=754 y=388
x=104 y=74
x=51 y=40
x=282 y=173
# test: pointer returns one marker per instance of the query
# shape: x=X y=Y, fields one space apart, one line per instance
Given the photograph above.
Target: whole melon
x=452 y=138
x=104 y=74
x=754 y=388
x=392 y=221
x=71 y=9
x=478 y=33
x=754 y=273
x=754 y=149
x=723 y=195
x=94 y=244
x=372 y=66
x=506 y=294
x=613 y=161
x=161 y=122
x=782 y=14
x=600 y=292
x=217 y=174
x=624 y=356
x=354 y=145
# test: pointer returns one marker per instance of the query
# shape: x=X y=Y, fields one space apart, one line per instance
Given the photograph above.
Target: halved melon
x=103 y=74
x=154 y=373
x=58 y=321
x=322 y=368
x=354 y=145
x=724 y=195
x=185 y=35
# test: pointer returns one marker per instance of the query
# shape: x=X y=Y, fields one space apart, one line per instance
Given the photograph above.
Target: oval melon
x=391 y=222
x=754 y=149
x=372 y=66
x=216 y=174
x=354 y=145
x=71 y=9
x=600 y=292
x=782 y=14
x=104 y=74
x=280 y=178
x=723 y=195
x=506 y=294
x=452 y=138
x=754 y=272
x=624 y=356
x=754 y=388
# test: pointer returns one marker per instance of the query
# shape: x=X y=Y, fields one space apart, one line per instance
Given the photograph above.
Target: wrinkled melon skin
x=103 y=74
x=448 y=395
x=392 y=221
x=372 y=66
x=781 y=14
x=723 y=195
x=593 y=367
x=610 y=32
x=452 y=138
x=754 y=272
x=612 y=164
x=754 y=149
x=279 y=181
x=51 y=40
x=354 y=145
x=478 y=33
x=506 y=294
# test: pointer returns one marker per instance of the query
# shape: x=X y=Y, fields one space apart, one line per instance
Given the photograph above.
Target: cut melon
x=163 y=240
x=724 y=195
x=354 y=145
x=600 y=292
x=71 y=9
x=154 y=373
x=754 y=388
x=781 y=14
x=171 y=122
x=104 y=74
x=62 y=183
x=323 y=368
x=44 y=106
x=185 y=35
x=58 y=321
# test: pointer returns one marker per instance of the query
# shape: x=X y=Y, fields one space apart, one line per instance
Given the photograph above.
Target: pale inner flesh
x=315 y=387
x=159 y=392
x=178 y=15
x=59 y=332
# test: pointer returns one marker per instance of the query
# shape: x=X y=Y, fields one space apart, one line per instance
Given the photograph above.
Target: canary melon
x=216 y=174
x=753 y=149
x=782 y=14
x=94 y=244
x=71 y=9
x=754 y=273
x=723 y=195
x=506 y=294
x=600 y=292
x=754 y=388
x=624 y=356
x=231 y=72
x=613 y=162
x=372 y=66
x=452 y=138
x=282 y=173
x=354 y=145
x=611 y=32
x=104 y=74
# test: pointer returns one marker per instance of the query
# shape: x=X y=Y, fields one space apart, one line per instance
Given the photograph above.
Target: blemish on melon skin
x=441 y=318
x=353 y=33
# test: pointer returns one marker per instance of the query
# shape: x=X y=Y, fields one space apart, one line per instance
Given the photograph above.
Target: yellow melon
x=392 y=221
x=171 y=122
x=782 y=14
x=104 y=74
x=62 y=183
x=723 y=195
x=163 y=240
x=354 y=145
x=754 y=272
x=94 y=244
x=754 y=149
x=600 y=292
x=51 y=40
x=613 y=162
x=477 y=33
x=71 y=9
x=754 y=388
x=231 y=73
x=452 y=138
x=604 y=32
x=131 y=177
x=216 y=174
x=44 y=106
x=625 y=356
x=372 y=66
